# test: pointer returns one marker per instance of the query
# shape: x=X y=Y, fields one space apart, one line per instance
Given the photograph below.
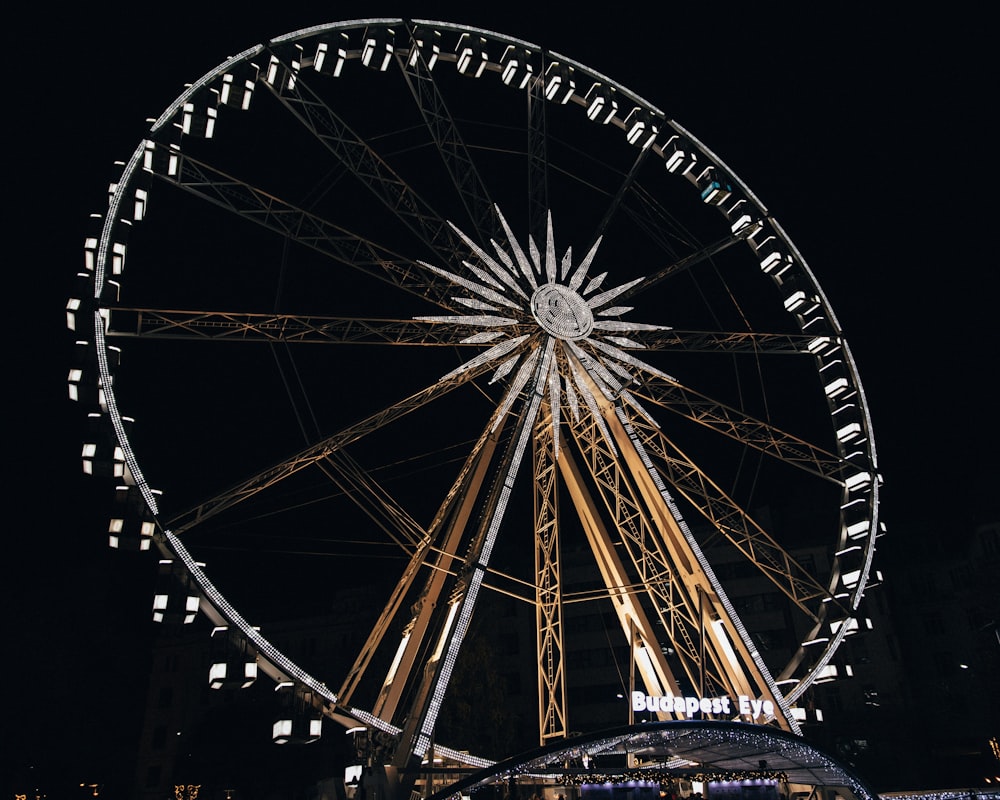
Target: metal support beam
x=448 y=139
x=367 y=165
x=538 y=192
x=255 y=205
x=735 y=424
x=553 y=721
x=715 y=652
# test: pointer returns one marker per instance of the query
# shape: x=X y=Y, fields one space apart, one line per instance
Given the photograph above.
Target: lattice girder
x=662 y=555
x=552 y=708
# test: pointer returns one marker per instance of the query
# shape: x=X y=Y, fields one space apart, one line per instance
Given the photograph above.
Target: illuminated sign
x=689 y=706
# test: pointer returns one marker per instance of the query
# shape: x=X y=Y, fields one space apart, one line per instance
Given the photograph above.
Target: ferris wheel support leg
x=656 y=674
x=553 y=721
x=724 y=638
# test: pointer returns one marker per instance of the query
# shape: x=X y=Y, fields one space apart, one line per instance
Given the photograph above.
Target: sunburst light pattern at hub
x=569 y=306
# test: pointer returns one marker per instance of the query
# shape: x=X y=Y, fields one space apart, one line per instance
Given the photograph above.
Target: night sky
x=860 y=129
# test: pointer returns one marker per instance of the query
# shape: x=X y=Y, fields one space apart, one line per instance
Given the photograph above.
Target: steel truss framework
x=575 y=387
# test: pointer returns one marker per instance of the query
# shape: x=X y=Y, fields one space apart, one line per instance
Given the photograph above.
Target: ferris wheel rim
x=170 y=545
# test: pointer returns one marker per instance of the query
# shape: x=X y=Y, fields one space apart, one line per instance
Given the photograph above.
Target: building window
x=165 y=698
x=960 y=577
x=153 y=776
x=944 y=664
x=771 y=640
x=989 y=541
x=933 y=622
x=976 y=618
x=890 y=644
x=512 y=680
x=859 y=649
x=744 y=605
x=159 y=737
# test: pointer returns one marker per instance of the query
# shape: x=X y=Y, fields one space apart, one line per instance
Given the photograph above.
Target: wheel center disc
x=561 y=311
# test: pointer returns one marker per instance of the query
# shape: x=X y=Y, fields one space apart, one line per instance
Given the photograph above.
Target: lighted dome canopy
x=413 y=288
x=703 y=750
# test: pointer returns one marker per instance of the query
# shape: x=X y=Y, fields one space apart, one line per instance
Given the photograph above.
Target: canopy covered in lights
x=715 y=750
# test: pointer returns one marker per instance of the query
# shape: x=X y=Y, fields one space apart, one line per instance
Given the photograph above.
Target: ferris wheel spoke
x=657 y=223
x=436 y=557
x=538 y=162
x=417 y=66
x=151 y=323
x=733 y=522
x=692 y=259
x=319 y=450
x=627 y=185
x=204 y=181
x=737 y=425
x=373 y=499
x=361 y=159
x=667 y=339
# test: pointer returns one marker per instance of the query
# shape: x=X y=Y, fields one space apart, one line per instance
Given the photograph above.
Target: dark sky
x=859 y=129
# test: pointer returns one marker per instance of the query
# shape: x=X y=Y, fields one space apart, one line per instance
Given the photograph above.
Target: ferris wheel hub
x=561 y=312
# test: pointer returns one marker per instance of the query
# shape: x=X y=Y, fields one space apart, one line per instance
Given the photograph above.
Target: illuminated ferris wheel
x=410 y=283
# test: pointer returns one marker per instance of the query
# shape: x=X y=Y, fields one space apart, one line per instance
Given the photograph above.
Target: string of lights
x=660 y=777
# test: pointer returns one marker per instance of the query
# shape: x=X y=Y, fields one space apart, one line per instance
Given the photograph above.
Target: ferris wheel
x=414 y=284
